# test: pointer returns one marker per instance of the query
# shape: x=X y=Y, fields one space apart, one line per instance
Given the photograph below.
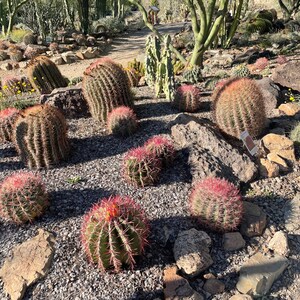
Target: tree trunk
x=100 y=9
x=197 y=55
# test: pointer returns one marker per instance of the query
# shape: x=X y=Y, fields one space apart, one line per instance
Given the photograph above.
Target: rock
x=259 y=272
x=254 y=220
x=58 y=60
x=241 y=297
x=220 y=59
x=292 y=215
x=268 y=168
x=290 y=109
x=288 y=75
x=279 y=243
x=69 y=57
x=182 y=119
x=233 y=241
x=214 y=286
x=220 y=155
x=177 y=287
x=88 y=53
x=281 y=163
x=69 y=100
x=30 y=261
x=191 y=251
x=7 y=66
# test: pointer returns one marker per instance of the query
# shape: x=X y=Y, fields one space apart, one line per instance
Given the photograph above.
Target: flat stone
x=30 y=261
x=275 y=142
x=241 y=297
x=6 y=66
x=292 y=215
x=259 y=272
x=69 y=57
x=233 y=241
x=268 y=168
x=290 y=109
x=191 y=251
x=58 y=60
x=279 y=243
x=254 y=220
x=281 y=163
x=214 y=286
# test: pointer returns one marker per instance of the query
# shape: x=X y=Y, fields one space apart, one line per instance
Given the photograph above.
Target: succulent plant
x=16 y=55
x=44 y=75
x=11 y=84
x=31 y=52
x=239 y=106
x=133 y=77
x=105 y=87
x=113 y=232
x=40 y=136
x=141 y=167
x=23 y=197
x=217 y=204
x=281 y=59
x=30 y=38
x=192 y=75
x=241 y=71
x=3 y=55
x=295 y=134
x=162 y=148
x=122 y=121
x=8 y=117
x=187 y=98
x=261 y=63
x=138 y=66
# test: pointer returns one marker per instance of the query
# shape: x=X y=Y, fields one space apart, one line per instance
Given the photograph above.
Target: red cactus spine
x=141 y=167
x=113 y=232
x=187 y=98
x=23 y=197
x=217 y=204
x=261 y=63
x=8 y=117
x=122 y=121
x=162 y=148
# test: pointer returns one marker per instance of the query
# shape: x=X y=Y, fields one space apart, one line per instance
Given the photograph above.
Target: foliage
x=138 y=66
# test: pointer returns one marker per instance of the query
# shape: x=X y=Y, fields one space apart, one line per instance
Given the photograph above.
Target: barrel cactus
x=239 y=106
x=133 y=77
x=216 y=204
x=44 y=75
x=261 y=63
x=187 y=98
x=23 y=197
x=11 y=84
x=122 y=121
x=192 y=75
x=141 y=167
x=8 y=117
x=105 y=87
x=16 y=55
x=241 y=71
x=40 y=136
x=30 y=38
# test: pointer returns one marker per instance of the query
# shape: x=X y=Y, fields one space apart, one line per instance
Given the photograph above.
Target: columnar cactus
x=40 y=136
x=217 y=204
x=122 y=121
x=241 y=71
x=113 y=232
x=239 y=106
x=8 y=117
x=44 y=75
x=141 y=167
x=162 y=148
x=105 y=87
x=133 y=77
x=187 y=98
x=23 y=197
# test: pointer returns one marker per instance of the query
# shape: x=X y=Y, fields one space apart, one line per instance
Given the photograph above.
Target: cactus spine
x=40 y=136
x=105 y=87
x=7 y=118
x=44 y=75
x=192 y=75
x=133 y=77
x=113 y=232
x=187 y=98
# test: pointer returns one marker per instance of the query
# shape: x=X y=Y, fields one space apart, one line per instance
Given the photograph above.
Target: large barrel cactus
x=239 y=106
x=40 y=136
x=44 y=75
x=105 y=86
x=113 y=232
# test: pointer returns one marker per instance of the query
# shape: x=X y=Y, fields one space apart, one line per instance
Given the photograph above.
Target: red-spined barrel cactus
x=8 y=117
x=281 y=59
x=133 y=77
x=141 y=167
x=239 y=106
x=162 y=147
x=105 y=86
x=40 y=136
x=122 y=121
x=23 y=197
x=187 y=98
x=261 y=63
x=217 y=204
x=113 y=232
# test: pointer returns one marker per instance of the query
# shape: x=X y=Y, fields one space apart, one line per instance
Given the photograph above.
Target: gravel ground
x=96 y=158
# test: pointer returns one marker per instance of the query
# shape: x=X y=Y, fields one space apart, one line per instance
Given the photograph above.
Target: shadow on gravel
x=8 y=152
x=11 y=165
x=155 y=109
x=142 y=295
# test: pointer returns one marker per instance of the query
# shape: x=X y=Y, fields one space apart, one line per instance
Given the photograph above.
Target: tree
x=289 y=7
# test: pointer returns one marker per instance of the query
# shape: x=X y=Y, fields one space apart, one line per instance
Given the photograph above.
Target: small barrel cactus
x=44 y=75
x=261 y=63
x=239 y=106
x=133 y=77
x=30 y=38
x=162 y=148
x=11 y=84
x=281 y=59
x=295 y=134
x=241 y=71
x=3 y=55
x=141 y=167
x=192 y=75
x=40 y=136
x=113 y=232
x=122 y=121
x=16 y=55
x=8 y=117
x=217 y=204
x=23 y=197
x=187 y=98
x=105 y=87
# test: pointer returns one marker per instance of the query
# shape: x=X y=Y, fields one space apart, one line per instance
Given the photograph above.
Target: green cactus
x=8 y=117
x=44 y=75
x=30 y=38
x=138 y=66
x=105 y=86
x=113 y=232
x=241 y=71
x=40 y=136
x=239 y=106
x=192 y=75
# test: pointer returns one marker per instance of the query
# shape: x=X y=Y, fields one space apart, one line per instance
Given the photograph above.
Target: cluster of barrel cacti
x=187 y=98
